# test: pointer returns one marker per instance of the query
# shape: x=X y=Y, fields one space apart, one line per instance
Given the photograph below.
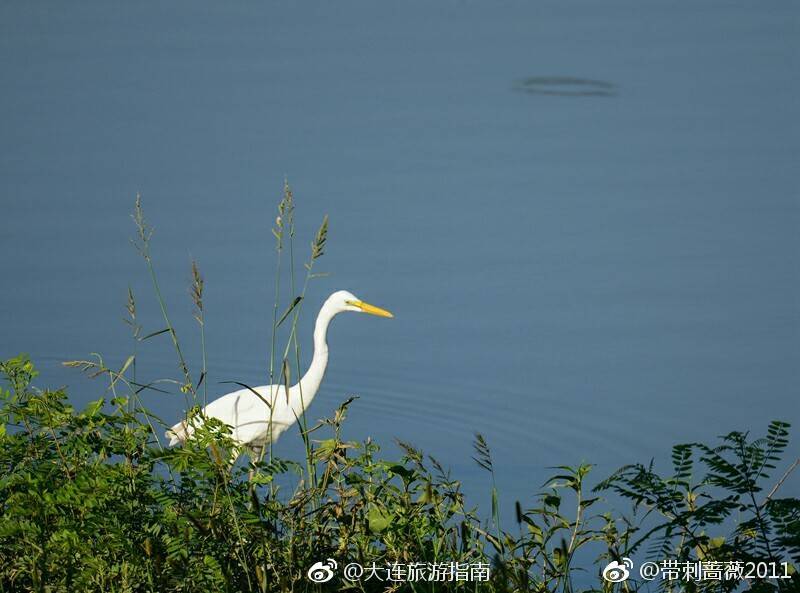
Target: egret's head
x=346 y=301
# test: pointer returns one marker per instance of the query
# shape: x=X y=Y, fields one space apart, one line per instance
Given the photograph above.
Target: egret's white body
x=248 y=414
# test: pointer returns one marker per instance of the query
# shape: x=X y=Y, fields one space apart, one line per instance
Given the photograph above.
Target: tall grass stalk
x=136 y=331
x=285 y=210
x=196 y=292
x=145 y=232
x=317 y=251
x=284 y=231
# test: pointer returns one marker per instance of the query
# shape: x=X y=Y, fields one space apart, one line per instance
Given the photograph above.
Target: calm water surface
x=584 y=215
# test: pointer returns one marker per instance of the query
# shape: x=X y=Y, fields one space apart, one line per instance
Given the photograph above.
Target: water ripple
x=566 y=86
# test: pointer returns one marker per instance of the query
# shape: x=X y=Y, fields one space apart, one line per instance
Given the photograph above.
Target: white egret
x=248 y=414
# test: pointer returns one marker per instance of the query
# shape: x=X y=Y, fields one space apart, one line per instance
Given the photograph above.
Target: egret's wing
x=178 y=433
x=248 y=413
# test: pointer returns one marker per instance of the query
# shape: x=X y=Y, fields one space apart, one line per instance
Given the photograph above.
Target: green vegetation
x=90 y=500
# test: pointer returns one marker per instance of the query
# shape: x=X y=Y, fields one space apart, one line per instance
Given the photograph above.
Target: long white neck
x=311 y=381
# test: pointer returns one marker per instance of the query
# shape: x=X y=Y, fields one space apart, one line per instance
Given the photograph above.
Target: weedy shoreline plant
x=90 y=500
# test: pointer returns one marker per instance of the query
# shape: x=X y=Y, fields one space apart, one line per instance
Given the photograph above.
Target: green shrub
x=92 y=502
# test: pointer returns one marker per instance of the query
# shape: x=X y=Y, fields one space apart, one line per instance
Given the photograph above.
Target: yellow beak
x=371 y=309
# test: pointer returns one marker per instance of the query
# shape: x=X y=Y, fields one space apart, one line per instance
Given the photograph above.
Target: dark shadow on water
x=566 y=86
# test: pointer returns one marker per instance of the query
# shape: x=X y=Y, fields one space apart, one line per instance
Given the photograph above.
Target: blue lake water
x=579 y=270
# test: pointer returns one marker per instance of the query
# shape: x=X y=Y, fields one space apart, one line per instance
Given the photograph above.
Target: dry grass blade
x=318 y=245
x=144 y=231
x=285 y=218
x=83 y=365
x=483 y=453
x=196 y=291
x=413 y=453
x=286 y=207
x=341 y=411
x=131 y=305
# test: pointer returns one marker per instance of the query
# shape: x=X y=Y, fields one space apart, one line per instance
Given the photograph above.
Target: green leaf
x=378 y=519
x=121 y=372
x=400 y=470
x=260 y=478
x=325 y=448
x=552 y=500
x=154 y=334
x=286 y=313
x=94 y=407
